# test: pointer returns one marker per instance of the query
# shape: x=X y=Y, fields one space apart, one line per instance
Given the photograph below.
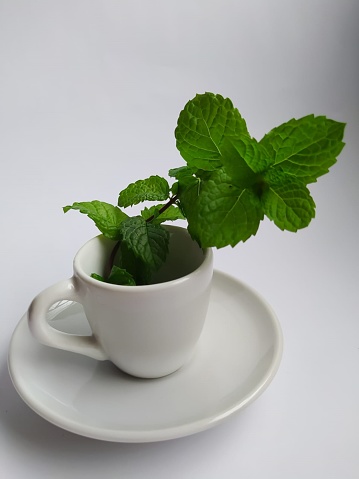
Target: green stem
x=172 y=200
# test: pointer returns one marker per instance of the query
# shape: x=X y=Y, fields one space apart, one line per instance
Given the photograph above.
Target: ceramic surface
x=236 y=358
x=148 y=331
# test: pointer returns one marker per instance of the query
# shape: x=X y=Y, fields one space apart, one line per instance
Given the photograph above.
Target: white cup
x=146 y=331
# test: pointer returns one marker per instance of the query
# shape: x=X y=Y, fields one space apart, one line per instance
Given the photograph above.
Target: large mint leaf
x=287 y=201
x=153 y=188
x=172 y=213
x=220 y=213
x=201 y=126
x=107 y=218
x=305 y=148
x=147 y=241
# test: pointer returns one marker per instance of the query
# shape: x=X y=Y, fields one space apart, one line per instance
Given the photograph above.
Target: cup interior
x=184 y=257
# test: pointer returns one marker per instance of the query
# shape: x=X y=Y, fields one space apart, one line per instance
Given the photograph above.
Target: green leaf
x=98 y=277
x=305 y=148
x=174 y=188
x=147 y=241
x=153 y=188
x=201 y=126
x=220 y=213
x=133 y=265
x=242 y=155
x=107 y=218
x=287 y=201
x=121 y=277
x=172 y=213
x=236 y=155
x=182 y=172
x=186 y=177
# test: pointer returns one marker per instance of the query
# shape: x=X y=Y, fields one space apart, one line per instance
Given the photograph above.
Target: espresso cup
x=147 y=331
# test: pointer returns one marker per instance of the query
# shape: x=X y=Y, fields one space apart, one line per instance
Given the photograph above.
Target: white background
x=90 y=92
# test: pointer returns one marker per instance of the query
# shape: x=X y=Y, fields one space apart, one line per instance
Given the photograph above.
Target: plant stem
x=171 y=201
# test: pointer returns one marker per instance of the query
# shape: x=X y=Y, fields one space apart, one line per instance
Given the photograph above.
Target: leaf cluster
x=229 y=183
x=232 y=180
x=141 y=242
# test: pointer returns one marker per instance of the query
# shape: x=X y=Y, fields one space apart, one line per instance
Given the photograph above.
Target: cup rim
x=79 y=271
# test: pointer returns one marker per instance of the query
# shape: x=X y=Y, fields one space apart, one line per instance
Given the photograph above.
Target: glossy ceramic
x=236 y=358
x=147 y=331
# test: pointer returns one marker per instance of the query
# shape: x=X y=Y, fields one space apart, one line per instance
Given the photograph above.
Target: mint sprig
x=229 y=182
x=251 y=179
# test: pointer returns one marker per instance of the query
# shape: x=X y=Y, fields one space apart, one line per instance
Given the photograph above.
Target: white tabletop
x=89 y=98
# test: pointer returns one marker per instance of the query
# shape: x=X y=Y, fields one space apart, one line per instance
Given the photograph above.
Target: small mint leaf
x=147 y=241
x=287 y=202
x=154 y=188
x=172 y=213
x=201 y=126
x=174 y=188
x=121 y=277
x=181 y=172
x=219 y=213
x=305 y=148
x=98 y=277
x=107 y=218
x=187 y=181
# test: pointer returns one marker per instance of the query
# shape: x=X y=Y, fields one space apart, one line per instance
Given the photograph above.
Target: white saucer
x=237 y=357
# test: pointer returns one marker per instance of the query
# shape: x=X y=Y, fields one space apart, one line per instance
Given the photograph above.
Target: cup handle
x=45 y=334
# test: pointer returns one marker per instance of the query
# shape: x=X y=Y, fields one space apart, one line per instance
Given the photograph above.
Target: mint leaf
x=153 y=188
x=241 y=154
x=133 y=265
x=237 y=153
x=172 y=213
x=182 y=172
x=220 y=213
x=107 y=218
x=305 y=148
x=121 y=277
x=185 y=175
x=117 y=276
x=98 y=277
x=287 y=201
x=147 y=241
x=201 y=126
